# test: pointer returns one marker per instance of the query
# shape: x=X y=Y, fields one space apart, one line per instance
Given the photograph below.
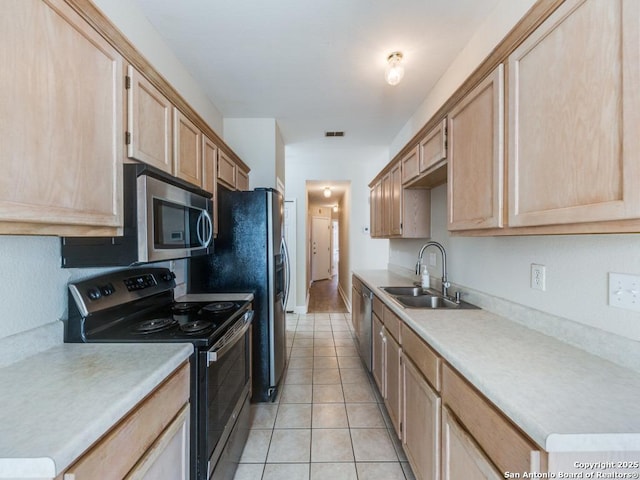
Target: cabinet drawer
x=424 y=358
x=116 y=453
x=391 y=323
x=507 y=448
x=378 y=307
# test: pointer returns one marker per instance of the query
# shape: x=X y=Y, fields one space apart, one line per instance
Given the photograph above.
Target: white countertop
x=564 y=398
x=57 y=403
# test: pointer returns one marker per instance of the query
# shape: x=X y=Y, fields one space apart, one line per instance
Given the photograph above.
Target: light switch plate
x=432 y=259
x=624 y=291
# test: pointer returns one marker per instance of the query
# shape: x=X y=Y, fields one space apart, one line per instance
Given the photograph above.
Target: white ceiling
x=317 y=65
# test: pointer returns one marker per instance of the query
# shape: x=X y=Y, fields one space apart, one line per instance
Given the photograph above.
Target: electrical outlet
x=432 y=259
x=538 y=277
x=624 y=291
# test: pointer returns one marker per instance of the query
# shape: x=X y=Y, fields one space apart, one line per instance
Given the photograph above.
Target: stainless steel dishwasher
x=362 y=323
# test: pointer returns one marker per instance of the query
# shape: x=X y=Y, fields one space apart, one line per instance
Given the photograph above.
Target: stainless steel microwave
x=164 y=219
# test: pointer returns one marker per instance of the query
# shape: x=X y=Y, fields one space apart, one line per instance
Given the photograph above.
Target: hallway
x=325 y=298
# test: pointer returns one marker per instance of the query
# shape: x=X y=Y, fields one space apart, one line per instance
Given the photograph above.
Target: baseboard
x=344 y=298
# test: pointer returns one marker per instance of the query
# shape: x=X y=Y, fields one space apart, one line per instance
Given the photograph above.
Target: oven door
x=228 y=380
x=172 y=222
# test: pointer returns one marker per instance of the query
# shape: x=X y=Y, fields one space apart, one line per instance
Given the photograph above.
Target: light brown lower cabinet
x=393 y=397
x=421 y=423
x=502 y=442
x=150 y=442
x=461 y=456
x=377 y=353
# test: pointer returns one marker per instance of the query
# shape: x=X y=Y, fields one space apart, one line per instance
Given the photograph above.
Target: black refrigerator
x=251 y=255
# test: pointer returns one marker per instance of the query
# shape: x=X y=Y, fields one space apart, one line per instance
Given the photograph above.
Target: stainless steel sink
x=405 y=291
x=417 y=297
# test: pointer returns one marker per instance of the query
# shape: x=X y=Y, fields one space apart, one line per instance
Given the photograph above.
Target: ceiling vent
x=334 y=134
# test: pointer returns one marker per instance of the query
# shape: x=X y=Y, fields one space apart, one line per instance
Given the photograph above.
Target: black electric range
x=138 y=306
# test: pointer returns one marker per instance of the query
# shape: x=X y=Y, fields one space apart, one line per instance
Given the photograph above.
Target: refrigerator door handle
x=287 y=269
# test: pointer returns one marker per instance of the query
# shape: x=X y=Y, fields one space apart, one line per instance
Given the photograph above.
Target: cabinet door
x=410 y=165
x=376 y=209
x=377 y=354
x=386 y=203
x=393 y=376
x=461 y=457
x=395 y=199
x=168 y=457
x=148 y=122
x=226 y=170
x=209 y=168
x=574 y=111
x=475 y=165
x=433 y=147
x=187 y=149
x=62 y=123
x=242 y=180
x=421 y=424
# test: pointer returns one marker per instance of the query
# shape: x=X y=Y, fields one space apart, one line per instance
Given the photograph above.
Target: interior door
x=320 y=248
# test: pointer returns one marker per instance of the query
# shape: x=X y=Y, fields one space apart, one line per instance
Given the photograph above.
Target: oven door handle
x=235 y=334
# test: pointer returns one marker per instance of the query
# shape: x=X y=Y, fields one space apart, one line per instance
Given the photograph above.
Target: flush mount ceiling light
x=335 y=208
x=395 y=71
x=327 y=192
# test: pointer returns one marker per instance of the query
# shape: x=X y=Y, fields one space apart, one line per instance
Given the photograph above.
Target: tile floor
x=328 y=421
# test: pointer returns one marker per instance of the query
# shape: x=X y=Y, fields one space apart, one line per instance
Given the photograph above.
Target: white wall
x=255 y=140
x=576 y=266
x=33 y=293
x=335 y=164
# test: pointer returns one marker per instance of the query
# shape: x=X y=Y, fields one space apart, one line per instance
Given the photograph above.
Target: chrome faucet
x=445 y=282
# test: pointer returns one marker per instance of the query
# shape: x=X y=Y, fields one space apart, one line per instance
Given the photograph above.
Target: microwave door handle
x=199 y=228
x=208 y=228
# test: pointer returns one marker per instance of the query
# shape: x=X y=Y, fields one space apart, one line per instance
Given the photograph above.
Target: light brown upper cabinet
x=226 y=170
x=187 y=149
x=410 y=165
x=475 y=157
x=395 y=199
x=398 y=212
x=61 y=118
x=376 y=209
x=574 y=111
x=242 y=180
x=148 y=123
x=433 y=147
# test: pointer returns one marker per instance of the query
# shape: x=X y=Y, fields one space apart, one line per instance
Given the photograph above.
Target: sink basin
x=426 y=301
x=405 y=291
x=418 y=297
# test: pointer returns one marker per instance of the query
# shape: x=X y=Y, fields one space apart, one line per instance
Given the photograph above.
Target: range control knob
x=94 y=294
x=167 y=277
x=107 y=290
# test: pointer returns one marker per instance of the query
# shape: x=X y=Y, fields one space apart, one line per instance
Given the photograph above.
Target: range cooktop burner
x=155 y=325
x=218 y=307
x=195 y=326
x=184 y=307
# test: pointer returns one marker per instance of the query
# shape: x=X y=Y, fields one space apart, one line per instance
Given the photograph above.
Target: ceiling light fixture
x=335 y=208
x=395 y=70
x=327 y=192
